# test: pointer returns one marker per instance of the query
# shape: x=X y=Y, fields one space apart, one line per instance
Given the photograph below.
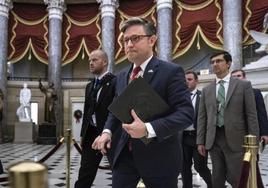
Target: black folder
x=141 y=97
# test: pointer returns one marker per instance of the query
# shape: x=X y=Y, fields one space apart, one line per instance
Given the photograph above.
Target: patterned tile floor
x=12 y=153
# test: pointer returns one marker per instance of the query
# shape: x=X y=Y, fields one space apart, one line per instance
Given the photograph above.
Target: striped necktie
x=134 y=75
x=135 y=72
x=220 y=104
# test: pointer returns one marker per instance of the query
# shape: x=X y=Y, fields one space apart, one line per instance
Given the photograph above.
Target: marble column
x=232 y=31
x=5 y=6
x=164 y=29
x=108 y=8
x=55 y=14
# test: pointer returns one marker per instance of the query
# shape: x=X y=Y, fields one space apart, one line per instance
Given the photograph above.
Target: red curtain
x=253 y=16
x=199 y=19
x=141 y=8
x=193 y=20
x=81 y=30
x=28 y=29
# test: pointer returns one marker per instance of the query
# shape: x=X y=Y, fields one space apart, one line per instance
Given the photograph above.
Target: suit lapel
x=102 y=92
x=231 y=88
x=123 y=79
x=90 y=88
x=151 y=69
x=198 y=93
x=126 y=75
x=212 y=94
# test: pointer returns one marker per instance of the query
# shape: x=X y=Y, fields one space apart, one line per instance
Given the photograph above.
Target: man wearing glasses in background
x=227 y=112
x=157 y=163
x=260 y=106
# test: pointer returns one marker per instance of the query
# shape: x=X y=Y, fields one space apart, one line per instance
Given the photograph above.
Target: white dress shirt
x=226 y=80
x=193 y=99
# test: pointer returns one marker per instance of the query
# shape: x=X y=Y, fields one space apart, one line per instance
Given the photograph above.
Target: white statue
x=261 y=38
x=24 y=111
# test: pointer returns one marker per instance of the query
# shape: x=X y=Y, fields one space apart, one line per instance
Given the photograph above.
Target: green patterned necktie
x=220 y=104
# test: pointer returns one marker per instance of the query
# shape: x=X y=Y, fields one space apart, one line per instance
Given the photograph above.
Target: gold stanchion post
x=250 y=144
x=68 y=156
x=28 y=174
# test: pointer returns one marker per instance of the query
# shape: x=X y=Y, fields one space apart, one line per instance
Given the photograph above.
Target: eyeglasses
x=134 y=39
x=217 y=61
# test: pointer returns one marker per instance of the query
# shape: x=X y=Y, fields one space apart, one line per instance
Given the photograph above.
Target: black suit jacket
x=261 y=112
x=88 y=131
x=162 y=154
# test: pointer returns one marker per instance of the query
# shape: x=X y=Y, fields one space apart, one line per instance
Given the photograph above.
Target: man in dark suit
x=227 y=112
x=190 y=152
x=98 y=96
x=157 y=163
x=260 y=106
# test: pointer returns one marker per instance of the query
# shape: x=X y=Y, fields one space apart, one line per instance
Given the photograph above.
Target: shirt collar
x=101 y=76
x=194 y=91
x=225 y=79
x=144 y=64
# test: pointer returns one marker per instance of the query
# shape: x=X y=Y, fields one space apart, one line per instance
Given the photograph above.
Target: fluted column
x=108 y=8
x=5 y=6
x=55 y=12
x=164 y=29
x=232 y=31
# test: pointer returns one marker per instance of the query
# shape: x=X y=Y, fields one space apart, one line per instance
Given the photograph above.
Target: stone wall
x=72 y=92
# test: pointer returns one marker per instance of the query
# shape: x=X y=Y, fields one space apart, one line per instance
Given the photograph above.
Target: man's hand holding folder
x=137 y=128
x=137 y=105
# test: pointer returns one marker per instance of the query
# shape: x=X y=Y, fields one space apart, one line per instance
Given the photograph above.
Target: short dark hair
x=239 y=70
x=147 y=25
x=227 y=57
x=193 y=73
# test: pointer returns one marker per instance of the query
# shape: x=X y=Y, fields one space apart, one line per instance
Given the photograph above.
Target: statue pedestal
x=23 y=132
x=261 y=63
x=258 y=76
x=47 y=133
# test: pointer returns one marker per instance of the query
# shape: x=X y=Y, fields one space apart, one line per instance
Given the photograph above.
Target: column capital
x=163 y=4
x=55 y=8
x=108 y=7
x=5 y=6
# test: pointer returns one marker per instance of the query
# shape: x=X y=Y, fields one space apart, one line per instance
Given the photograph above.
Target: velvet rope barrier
x=77 y=146
x=250 y=172
x=259 y=179
x=245 y=171
x=79 y=149
x=245 y=174
x=52 y=151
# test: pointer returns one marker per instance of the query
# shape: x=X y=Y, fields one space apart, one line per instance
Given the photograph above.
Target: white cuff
x=150 y=130
x=107 y=131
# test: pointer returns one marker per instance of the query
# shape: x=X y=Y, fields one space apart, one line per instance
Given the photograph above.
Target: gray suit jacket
x=240 y=116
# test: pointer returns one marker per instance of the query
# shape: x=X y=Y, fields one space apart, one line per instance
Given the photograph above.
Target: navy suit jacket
x=162 y=154
x=261 y=112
